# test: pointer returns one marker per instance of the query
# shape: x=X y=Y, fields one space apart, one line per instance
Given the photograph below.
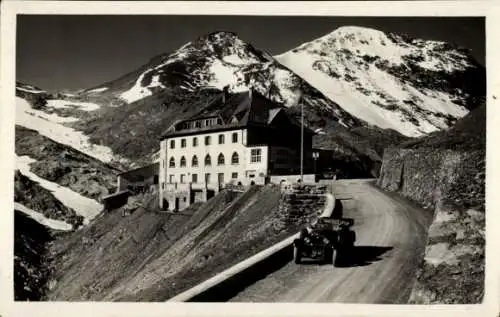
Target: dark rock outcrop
x=452 y=183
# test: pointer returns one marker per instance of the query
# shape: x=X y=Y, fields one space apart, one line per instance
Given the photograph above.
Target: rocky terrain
x=58 y=183
x=391 y=81
x=33 y=196
x=150 y=257
x=30 y=267
x=65 y=166
x=445 y=171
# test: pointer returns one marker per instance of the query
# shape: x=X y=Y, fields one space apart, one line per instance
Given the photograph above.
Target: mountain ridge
x=413 y=86
x=175 y=82
x=221 y=58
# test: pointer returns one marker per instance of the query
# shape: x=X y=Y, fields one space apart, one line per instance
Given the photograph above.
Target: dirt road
x=391 y=236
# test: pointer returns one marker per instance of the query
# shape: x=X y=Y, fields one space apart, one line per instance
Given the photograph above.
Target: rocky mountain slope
x=171 y=86
x=354 y=77
x=30 y=247
x=55 y=187
x=160 y=254
x=55 y=159
x=59 y=179
x=410 y=85
x=445 y=171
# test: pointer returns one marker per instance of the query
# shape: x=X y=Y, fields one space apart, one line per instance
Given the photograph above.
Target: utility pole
x=301 y=140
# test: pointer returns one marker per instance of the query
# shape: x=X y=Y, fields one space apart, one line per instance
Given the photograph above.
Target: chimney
x=226 y=93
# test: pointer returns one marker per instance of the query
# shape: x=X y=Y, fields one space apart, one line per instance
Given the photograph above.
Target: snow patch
x=287 y=88
x=30 y=91
x=137 y=91
x=51 y=127
x=223 y=75
x=375 y=96
x=155 y=82
x=33 y=91
x=86 y=207
x=23 y=108
x=371 y=42
x=41 y=219
x=96 y=90
x=234 y=59
x=59 y=104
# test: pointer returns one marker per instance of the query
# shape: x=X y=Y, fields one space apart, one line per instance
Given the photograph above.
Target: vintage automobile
x=327 y=240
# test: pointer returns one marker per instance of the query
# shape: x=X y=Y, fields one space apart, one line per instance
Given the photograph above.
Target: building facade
x=241 y=138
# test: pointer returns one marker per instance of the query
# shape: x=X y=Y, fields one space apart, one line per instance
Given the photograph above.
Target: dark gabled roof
x=224 y=110
x=238 y=110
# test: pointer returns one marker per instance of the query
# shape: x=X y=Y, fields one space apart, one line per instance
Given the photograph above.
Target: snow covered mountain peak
x=215 y=60
x=391 y=81
x=355 y=75
x=355 y=35
x=393 y=48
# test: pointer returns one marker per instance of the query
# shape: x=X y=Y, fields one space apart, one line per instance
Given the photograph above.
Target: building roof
x=233 y=111
x=152 y=166
x=113 y=195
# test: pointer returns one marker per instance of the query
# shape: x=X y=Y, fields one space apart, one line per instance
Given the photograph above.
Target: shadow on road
x=360 y=256
x=230 y=287
x=363 y=256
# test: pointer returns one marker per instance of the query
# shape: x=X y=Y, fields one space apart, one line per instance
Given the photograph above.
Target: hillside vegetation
x=445 y=171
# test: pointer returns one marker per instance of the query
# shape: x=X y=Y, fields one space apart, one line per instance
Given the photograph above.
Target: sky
x=72 y=52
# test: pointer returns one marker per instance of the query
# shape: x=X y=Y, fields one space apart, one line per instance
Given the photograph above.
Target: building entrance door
x=176 y=203
x=220 y=178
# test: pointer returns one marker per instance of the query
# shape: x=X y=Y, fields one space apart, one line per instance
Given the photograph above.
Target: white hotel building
x=241 y=138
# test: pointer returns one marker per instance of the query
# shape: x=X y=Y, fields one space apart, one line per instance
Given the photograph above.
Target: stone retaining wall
x=300 y=203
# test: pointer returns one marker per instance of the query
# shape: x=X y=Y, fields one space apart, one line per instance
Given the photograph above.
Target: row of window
x=255 y=157
x=202 y=123
x=235 y=159
x=194 y=178
x=208 y=140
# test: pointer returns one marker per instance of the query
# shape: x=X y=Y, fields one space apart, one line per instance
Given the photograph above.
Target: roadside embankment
x=296 y=207
x=452 y=183
x=143 y=254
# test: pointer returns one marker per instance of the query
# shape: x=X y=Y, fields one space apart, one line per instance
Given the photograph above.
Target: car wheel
x=334 y=257
x=296 y=255
x=327 y=255
x=352 y=236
